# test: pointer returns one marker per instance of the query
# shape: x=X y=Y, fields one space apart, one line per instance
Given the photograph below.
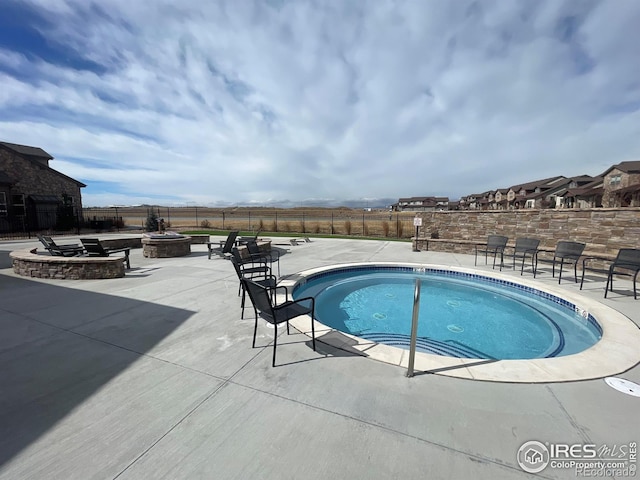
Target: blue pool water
x=461 y=315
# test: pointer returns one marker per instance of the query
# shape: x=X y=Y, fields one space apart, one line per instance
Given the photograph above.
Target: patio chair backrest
x=237 y=267
x=628 y=256
x=497 y=242
x=567 y=249
x=260 y=298
x=235 y=255
x=46 y=241
x=253 y=247
x=230 y=242
x=525 y=244
x=94 y=247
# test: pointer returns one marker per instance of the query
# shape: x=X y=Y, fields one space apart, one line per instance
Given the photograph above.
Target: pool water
x=459 y=317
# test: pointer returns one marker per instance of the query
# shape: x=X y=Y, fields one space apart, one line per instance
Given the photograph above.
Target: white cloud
x=255 y=100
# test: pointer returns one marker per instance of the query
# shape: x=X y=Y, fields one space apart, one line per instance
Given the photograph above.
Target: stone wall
x=604 y=230
x=33 y=178
x=30 y=264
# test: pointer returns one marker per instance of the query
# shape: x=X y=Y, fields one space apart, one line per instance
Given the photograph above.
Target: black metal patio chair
x=495 y=246
x=260 y=274
x=263 y=300
x=566 y=252
x=271 y=256
x=525 y=247
x=627 y=260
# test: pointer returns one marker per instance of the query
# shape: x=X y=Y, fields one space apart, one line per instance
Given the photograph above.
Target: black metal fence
x=50 y=218
x=378 y=223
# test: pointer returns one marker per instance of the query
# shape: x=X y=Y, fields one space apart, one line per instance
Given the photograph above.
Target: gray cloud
x=263 y=101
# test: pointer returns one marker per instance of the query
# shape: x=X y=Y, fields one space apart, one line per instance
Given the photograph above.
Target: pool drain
x=453 y=303
x=379 y=316
x=624 y=386
x=455 y=328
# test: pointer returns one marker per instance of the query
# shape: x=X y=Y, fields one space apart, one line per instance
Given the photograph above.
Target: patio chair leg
x=313 y=333
x=255 y=331
x=288 y=328
x=275 y=341
x=560 y=274
x=606 y=287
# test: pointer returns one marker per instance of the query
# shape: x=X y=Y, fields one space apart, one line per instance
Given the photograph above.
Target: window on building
x=3 y=204
x=614 y=180
x=18 y=205
x=67 y=200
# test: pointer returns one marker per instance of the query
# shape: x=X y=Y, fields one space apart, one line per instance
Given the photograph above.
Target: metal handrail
x=414 y=328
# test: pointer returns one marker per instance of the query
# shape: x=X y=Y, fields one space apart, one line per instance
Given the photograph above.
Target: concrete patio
x=153 y=376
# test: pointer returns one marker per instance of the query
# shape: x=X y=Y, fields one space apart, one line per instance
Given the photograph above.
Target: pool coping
x=612 y=355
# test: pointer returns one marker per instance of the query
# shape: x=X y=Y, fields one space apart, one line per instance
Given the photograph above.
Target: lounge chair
x=270 y=257
x=262 y=299
x=223 y=247
x=66 y=250
x=525 y=247
x=627 y=260
x=297 y=241
x=94 y=248
x=566 y=252
x=495 y=246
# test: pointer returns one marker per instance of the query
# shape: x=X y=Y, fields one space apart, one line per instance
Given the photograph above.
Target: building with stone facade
x=34 y=196
x=622 y=185
x=619 y=186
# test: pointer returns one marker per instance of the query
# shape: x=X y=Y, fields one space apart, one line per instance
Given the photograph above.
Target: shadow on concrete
x=5 y=260
x=454 y=367
x=336 y=344
x=48 y=369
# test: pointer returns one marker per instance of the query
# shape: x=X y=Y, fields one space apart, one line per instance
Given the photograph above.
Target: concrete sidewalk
x=153 y=376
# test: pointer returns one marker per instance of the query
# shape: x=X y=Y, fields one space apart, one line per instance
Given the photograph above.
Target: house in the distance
x=621 y=185
x=34 y=196
x=421 y=204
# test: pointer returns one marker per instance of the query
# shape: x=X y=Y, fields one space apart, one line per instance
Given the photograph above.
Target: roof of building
x=544 y=183
x=27 y=150
x=632 y=166
x=31 y=152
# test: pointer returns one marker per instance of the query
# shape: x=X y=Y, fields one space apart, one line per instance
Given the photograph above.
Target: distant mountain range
x=354 y=203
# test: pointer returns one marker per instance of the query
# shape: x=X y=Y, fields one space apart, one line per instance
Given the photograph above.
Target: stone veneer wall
x=33 y=178
x=604 y=230
x=30 y=264
x=166 y=247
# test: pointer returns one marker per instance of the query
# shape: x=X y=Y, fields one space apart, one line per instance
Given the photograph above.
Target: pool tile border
x=612 y=355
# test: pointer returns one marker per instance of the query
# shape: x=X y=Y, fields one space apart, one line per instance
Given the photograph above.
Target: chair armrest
x=286 y=291
x=306 y=299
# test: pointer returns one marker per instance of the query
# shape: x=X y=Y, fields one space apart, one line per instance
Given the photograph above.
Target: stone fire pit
x=164 y=245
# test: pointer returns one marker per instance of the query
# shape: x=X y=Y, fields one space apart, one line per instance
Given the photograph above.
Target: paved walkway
x=153 y=376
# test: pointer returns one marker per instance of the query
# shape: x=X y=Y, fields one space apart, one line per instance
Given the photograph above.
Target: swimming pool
x=614 y=353
x=461 y=315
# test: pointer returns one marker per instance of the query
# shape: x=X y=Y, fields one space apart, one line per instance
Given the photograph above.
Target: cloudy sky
x=172 y=102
